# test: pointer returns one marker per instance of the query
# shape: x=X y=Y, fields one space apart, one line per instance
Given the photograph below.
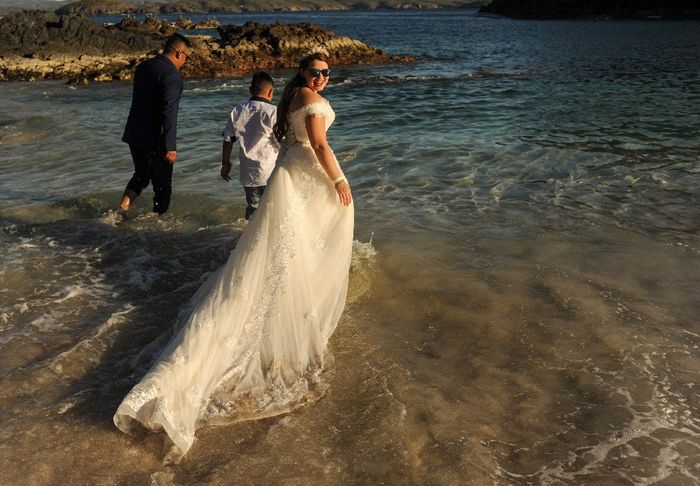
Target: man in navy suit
x=151 y=129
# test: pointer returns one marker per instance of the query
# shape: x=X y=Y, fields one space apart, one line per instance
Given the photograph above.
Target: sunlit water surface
x=526 y=311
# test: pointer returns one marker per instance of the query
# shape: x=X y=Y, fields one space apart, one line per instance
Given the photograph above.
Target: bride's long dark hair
x=298 y=81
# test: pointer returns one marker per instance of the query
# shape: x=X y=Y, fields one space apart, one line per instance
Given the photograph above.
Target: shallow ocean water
x=526 y=311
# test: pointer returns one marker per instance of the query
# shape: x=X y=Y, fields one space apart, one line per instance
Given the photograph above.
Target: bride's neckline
x=321 y=101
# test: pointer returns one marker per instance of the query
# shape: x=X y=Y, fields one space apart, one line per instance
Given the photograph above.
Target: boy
x=250 y=124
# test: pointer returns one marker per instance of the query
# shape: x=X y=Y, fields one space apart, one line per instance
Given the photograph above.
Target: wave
x=230 y=85
x=108 y=276
x=479 y=73
x=345 y=80
x=26 y=130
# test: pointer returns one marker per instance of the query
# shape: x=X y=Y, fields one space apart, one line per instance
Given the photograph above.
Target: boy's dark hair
x=261 y=83
x=176 y=42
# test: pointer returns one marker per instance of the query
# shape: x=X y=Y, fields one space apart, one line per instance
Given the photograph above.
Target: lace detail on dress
x=194 y=395
x=316 y=109
x=205 y=322
x=297 y=120
x=140 y=395
x=320 y=243
x=165 y=410
x=274 y=400
x=231 y=342
x=265 y=308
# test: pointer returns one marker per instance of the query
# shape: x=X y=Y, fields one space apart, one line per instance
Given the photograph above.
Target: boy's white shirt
x=250 y=124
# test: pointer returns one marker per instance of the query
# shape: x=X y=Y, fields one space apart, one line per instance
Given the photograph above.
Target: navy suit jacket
x=152 y=122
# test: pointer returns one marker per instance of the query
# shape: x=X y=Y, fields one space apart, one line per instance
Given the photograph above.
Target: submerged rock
x=43 y=45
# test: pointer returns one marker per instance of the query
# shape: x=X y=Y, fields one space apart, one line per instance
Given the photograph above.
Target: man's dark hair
x=261 y=83
x=176 y=42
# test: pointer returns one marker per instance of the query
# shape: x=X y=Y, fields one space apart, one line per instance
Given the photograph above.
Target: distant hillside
x=108 y=7
x=101 y=7
x=594 y=9
x=8 y=6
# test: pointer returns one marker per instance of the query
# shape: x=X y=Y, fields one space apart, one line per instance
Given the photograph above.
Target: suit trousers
x=151 y=166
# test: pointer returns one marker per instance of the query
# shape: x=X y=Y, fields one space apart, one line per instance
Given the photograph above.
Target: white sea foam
x=70 y=292
x=660 y=419
x=224 y=87
x=363 y=253
x=89 y=348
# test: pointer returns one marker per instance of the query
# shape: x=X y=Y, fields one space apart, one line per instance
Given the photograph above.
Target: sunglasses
x=317 y=73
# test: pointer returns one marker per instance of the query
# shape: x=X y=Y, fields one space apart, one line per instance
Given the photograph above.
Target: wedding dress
x=252 y=341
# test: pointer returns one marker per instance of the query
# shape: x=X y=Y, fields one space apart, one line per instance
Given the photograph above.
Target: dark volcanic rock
x=184 y=23
x=210 y=23
x=29 y=32
x=150 y=27
x=275 y=39
x=261 y=46
x=43 y=45
x=594 y=9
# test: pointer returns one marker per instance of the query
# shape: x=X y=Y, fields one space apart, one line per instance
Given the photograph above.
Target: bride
x=252 y=341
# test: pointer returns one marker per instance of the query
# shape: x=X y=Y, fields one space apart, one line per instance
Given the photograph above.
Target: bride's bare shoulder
x=309 y=96
x=304 y=96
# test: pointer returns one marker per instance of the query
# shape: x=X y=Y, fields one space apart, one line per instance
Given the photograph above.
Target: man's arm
x=172 y=90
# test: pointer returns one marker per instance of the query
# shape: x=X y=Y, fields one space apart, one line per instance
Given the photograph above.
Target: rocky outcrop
x=210 y=23
x=183 y=23
x=42 y=45
x=241 y=49
x=74 y=69
x=39 y=33
x=595 y=9
x=151 y=27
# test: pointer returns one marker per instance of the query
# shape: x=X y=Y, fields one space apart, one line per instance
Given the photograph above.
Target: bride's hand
x=344 y=193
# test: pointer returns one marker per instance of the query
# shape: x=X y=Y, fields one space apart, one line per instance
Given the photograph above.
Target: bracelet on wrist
x=338 y=180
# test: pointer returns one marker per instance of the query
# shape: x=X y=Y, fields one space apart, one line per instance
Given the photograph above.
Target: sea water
x=526 y=286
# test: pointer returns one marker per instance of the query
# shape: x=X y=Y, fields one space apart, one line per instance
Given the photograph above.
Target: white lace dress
x=252 y=341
